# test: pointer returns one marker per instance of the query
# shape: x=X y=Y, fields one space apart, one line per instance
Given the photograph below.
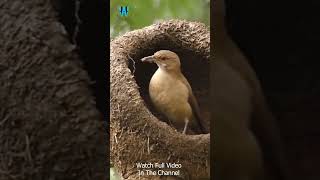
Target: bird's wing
x=194 y=105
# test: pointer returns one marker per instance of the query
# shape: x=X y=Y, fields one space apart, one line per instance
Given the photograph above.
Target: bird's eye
x=163 y=58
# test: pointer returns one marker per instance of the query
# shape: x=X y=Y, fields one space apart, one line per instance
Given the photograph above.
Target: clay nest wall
x=138 y=133
x=50 y=126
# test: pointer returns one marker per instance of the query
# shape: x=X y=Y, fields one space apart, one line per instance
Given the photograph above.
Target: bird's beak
x=149 y=59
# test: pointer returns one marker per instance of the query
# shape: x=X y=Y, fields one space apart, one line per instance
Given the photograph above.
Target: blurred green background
x=145 y=12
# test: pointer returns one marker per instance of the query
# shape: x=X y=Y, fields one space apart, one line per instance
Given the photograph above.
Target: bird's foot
x=186 y=121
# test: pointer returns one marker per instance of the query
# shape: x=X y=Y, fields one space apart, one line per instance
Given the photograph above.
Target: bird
x=248 y=145
x=171 y=93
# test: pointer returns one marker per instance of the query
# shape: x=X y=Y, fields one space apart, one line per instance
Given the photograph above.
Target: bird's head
x=165 y=59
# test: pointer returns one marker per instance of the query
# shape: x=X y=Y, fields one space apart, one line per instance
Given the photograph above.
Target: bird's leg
x=186 y=122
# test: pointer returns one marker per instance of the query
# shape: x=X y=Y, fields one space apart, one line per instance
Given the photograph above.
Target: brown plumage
x=247 y=142
x=172 y=94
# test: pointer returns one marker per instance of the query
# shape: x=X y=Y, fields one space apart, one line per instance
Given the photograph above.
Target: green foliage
x=145 y=12
x=114 y=175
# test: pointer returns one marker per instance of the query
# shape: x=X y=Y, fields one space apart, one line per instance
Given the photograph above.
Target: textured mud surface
x=50 y=127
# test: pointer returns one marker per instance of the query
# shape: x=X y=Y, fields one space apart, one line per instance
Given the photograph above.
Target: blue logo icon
x=124 y=10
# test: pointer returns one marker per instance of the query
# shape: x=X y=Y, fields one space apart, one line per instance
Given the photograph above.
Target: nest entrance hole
x=194 y=67
x=88 y=36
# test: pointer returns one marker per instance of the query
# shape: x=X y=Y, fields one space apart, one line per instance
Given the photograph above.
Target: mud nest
x=138 y=133
x=50 y=127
